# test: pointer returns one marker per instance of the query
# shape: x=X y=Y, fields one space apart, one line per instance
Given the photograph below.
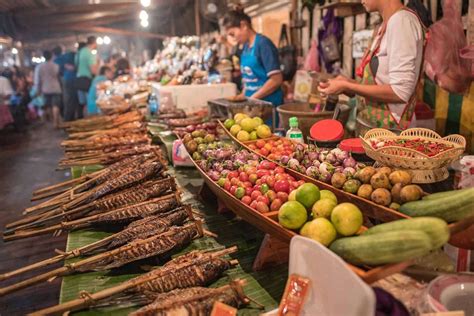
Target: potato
x=365 y=174
x=380 y=181
x=400 y=176
x=396 y=193
x=338 y=179
x=381 y=196
x=385 y=170
x=410 y=193
x=365 y=191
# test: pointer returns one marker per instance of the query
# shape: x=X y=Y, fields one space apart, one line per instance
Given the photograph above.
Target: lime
x=292 y=195
x=347 y=219
x=239 y=193
x=320 y=230
x=323 y=208
x=253 y=135
x=263 y=131
x=292 y=215
x=307 y=194
x=239 y=117
x=326 y=194
x=258 y=121
x=235 y=129
x=228 y=123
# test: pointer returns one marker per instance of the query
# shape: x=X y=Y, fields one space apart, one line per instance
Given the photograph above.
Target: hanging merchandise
x=329 y=36
x=443 y=63
x=287 y=55
x=312 y=59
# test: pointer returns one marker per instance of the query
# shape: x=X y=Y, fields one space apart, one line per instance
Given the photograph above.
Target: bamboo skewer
x=70 y=268
x=88 y=300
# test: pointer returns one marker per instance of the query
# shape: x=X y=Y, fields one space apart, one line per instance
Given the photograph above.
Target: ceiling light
x=99 y=41
x=107 y=40
x=144 y=23
x=145 y=3
x=94 y=52
x=14 y=51
x=143 y=15
x=42 y=59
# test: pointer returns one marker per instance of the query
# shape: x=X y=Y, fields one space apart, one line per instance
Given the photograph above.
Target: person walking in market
x=105 y=73
x=86 y=64
x=47 y=84
x=67 y=71
x=390 y=69
x=259 y=61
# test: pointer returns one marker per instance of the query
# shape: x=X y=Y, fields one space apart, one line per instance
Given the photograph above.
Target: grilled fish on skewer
x=143 y=228
x=195 y=301
x=175 y=238
x=131 y=287
x=122 y=215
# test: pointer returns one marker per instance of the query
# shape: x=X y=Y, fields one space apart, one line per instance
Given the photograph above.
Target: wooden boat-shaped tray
x=368 y=208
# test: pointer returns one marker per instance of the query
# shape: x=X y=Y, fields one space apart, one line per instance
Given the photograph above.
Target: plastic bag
x=312 y=59
x=443 y=62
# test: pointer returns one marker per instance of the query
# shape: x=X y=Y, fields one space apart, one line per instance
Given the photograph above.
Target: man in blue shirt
x=67 y=71
x=259 y=61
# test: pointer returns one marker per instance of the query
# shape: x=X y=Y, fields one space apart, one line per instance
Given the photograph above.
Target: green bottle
x=294 y=133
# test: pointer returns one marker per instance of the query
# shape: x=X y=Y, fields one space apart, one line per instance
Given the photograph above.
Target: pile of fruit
x=200 y=140
x=319 y=163
x=246 y=128
x=317 y=214
x=273 y=149
x=262 y=185
x=208 y=127
x=380 y=185
x=421 y=145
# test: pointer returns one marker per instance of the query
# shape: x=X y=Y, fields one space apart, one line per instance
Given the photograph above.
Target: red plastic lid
x=327 y=131
x=353 y=145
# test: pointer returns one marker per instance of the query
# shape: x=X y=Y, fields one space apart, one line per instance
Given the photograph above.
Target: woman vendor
x=390 y=69
x=259 y=62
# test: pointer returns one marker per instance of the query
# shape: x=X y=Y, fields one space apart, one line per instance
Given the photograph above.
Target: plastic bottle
x=153 y=104
x=294 y=133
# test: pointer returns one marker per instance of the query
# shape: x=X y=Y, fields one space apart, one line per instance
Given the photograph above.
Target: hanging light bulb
x=107 y=40
x=145 y=3
x=144 y=23
x=143 y=15
x=100 y=41
x=14 y=51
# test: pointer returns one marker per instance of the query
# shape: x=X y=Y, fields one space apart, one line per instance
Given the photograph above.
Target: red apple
x=276 y=204
x=268 y=146
x=264 y=152
x=255 y=194
x=248 y=191
x=227 y=185
x=253 y=178
x=232 y=174
x=261 y=173
x=247 y=184
x=263 y=199
x=254 y=205
x=233 y=189
x=234 y=181
x=279 y=169
x=282 y=186
x=271 y=195
x=260 y=143
x=246 y=200
x=282 y=196
x=262 y=207
x=270 y=181
x=243 y=177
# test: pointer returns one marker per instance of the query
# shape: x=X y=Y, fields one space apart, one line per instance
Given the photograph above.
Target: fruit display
x=199 y=141
x=451 y=206
x=262 y=185
x=421 y=145
x=246 y=128
x=318 y=215
x=273 y=149
x=209 y=127
x=393 y=242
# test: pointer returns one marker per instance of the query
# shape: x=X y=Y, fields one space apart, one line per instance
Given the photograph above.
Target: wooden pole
x=197 y=18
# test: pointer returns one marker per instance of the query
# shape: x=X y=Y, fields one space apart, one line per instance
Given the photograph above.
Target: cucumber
x=450 y=208
x=382 y=248
x=435 y=228
x=440 y=195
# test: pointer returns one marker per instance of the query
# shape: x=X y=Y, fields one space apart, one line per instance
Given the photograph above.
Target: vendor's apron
x=254 y=75
x=379 y=113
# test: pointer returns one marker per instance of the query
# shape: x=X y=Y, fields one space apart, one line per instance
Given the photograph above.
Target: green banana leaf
x=264 y=287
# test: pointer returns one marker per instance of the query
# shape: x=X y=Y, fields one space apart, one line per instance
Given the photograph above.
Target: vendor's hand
x=333 y=86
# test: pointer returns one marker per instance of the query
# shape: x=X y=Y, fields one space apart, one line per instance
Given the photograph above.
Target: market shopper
x=47 y=84
x=86 y=64
x=105 y=73
x=67 y=70
x=259 y=61
x=390 y=69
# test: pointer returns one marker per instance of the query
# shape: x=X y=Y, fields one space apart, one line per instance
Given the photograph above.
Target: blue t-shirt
x=267 y=54
x=92 y=95
x=61 y=61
